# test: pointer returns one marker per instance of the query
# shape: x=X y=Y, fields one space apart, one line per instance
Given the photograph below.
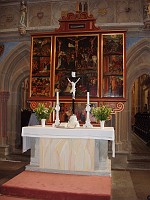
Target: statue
x=23 y=11
x=147 y=10
x=85 y=7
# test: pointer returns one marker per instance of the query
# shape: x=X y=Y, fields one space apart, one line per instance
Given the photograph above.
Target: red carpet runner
x=40 y=185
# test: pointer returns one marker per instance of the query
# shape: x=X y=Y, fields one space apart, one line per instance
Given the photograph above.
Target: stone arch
x=138 y=63
x=15 y=68
x=15 y=62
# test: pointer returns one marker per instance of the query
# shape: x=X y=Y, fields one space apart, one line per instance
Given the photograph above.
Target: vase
x=43 y=121
x=102 y=124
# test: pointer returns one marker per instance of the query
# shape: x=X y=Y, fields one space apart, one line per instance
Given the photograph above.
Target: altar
x=71 y=151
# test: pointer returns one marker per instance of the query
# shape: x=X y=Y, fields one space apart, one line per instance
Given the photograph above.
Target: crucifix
x=73 y=82
x=73 y=122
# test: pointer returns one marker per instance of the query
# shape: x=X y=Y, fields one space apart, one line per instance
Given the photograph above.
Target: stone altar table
x=63 y=150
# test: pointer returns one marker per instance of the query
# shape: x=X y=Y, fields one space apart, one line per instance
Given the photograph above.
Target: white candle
x=88 y=98
x=57 y=95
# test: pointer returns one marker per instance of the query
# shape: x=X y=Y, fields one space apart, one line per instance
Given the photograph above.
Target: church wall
x=43 y=16
x=47 y=13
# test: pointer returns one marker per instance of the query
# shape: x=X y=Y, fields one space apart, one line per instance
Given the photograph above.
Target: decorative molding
x=80 y=21
x=22 y=29
x=119 y=107
x=76 y=16
x=116 y=106
x=34 y=104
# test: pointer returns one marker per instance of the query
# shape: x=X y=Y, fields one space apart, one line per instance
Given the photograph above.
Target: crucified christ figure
x=76 y=43
x=73 y=89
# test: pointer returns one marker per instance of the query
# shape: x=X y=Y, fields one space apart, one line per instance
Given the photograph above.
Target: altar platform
x=80 y=150
x=40 y=185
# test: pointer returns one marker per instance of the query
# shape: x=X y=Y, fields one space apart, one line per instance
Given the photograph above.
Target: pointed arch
x=138 y=63
x=16 y=62
x=15 y=68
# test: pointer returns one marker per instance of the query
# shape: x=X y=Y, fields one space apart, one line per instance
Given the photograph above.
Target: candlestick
x=73 y=112
x=57 y=108
x=88 y=108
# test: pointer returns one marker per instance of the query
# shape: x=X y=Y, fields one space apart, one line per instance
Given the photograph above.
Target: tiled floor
x=130 y=185
x=130 y=174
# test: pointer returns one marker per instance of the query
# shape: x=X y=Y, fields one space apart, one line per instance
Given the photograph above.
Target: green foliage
x=102 y=113
x=43 y=112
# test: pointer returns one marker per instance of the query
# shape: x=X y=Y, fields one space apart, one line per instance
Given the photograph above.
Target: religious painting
x=76 y=53
x=80 y=111
x=113 y=65
x=40 y=67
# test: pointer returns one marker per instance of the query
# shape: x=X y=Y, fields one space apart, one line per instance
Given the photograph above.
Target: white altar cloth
x=52 y=132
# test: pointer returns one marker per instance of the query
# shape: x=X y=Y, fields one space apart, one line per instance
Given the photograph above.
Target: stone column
x=3 y=123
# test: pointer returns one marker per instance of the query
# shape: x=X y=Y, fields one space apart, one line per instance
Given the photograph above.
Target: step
x=41 y=185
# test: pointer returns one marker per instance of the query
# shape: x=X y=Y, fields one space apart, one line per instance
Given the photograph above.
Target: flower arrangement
x=43 y=112
x=102 y=113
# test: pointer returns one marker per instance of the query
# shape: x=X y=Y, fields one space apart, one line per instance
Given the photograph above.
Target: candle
x=57 y=102
x=88 y=98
